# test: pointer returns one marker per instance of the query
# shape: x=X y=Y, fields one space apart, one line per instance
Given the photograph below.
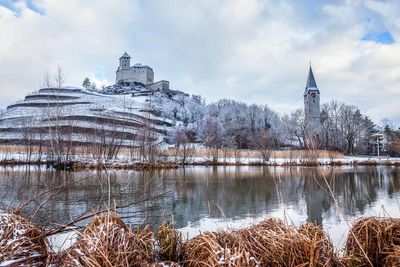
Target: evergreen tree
x=86 y=83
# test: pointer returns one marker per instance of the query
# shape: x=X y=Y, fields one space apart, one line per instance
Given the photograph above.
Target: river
x=209 y=198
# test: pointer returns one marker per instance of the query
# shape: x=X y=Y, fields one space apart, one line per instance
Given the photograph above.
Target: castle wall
x=160 y=85
x=142 y=74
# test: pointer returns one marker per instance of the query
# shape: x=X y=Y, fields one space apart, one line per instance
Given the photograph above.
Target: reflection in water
x=197 y=193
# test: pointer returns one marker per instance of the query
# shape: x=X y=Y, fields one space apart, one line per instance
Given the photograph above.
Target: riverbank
x=170 y=158
x=108 y=241
x=134 y=165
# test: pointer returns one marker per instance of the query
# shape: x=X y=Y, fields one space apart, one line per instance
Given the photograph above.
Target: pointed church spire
x=311 y=80
x=311 y=83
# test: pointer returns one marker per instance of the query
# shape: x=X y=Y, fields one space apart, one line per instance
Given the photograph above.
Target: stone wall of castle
x=142 y=74
x=160 y=85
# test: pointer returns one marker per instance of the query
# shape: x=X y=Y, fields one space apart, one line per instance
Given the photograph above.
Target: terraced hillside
x=75 y=116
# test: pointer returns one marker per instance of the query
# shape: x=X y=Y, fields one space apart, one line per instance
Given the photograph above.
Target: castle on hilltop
x=138 y=73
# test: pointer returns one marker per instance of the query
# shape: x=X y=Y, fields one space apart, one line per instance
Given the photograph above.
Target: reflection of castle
x=138 y=73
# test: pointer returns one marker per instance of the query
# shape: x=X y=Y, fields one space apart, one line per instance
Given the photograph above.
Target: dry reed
x=270 y=243
x=22 y=243
x=374 y=241
x=107 y=241
x=199 y=152
x=169 y=242
x=217 y=249
x=393 y=258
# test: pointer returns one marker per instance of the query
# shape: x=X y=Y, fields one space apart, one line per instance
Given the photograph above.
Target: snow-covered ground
x=124 y=158
x=80 y=114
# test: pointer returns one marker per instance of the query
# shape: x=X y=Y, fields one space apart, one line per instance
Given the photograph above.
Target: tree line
x=237 y=125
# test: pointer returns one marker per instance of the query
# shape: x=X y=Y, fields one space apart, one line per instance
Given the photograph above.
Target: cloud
x=248 y=50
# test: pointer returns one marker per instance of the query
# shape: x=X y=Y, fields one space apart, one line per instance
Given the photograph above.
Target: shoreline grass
x=170 y=158
x=108 y=241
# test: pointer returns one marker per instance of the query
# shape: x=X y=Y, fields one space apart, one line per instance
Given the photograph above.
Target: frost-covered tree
x=297 y=127
x=346 y=128
x=392 y=136
x=212 y=133
x=243 y=122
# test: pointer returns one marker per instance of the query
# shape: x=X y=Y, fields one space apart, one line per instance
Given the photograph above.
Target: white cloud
x=249 y=50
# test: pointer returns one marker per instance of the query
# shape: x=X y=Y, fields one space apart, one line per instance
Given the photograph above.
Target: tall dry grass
x=169 y=242
x=201 y=153
x=248 y=153
x=108 y=242
x=270 y=243
x=22 y=243
x=374 y=241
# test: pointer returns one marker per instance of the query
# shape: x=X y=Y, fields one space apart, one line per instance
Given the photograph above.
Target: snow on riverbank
x=125 y=159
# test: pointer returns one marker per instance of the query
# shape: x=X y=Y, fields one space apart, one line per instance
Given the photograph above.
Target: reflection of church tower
x=313 y=127
x=318 y=201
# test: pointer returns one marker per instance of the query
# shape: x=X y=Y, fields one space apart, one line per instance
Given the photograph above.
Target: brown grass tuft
x=375 y=238
x=393 y=258
x=21 y=241
x=107 y=241
x=217 y=249
x=169 y=242
x=270 y=243
x=321 y=243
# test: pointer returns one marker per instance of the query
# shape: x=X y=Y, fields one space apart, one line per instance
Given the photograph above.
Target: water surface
x=209 y=198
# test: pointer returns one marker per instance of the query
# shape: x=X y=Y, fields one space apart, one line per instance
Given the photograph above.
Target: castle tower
x=313 y=127
x=124 y=61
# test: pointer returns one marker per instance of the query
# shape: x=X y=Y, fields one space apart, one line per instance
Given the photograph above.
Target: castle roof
x=311 y=83
x=125 y=55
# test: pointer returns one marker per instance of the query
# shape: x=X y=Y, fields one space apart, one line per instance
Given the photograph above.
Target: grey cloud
x=253 y=51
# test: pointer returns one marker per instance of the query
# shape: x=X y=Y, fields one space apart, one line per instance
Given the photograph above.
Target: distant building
x=313 y=125
x=138 y=73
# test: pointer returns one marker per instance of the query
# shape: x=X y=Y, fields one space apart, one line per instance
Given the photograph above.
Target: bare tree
x=59 y=77
x=183 y=147
x=46 y=82
x=27 y=138
x=212 y=136
x=265 y=144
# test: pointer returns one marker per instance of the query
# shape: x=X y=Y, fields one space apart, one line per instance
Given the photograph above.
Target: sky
x=254 y=51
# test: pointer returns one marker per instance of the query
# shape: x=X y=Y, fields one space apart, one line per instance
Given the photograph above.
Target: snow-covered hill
x=79 y=116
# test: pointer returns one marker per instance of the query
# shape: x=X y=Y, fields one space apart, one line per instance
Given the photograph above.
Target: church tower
x=124 y=61
x=313 y=127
